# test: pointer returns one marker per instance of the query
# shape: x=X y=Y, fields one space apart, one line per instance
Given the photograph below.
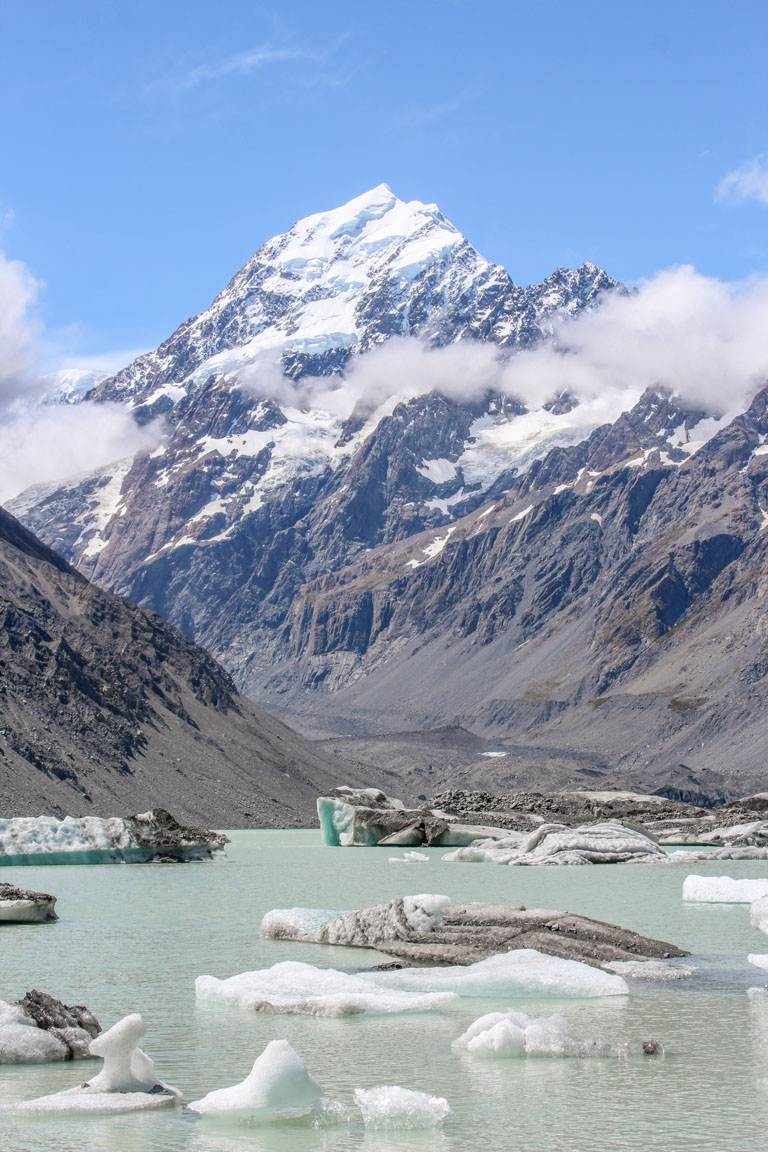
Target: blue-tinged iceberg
x=153 y=835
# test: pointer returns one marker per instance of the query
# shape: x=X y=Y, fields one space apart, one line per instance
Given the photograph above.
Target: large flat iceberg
x=723 y=889
x=153 y=835
x=296 y=988
x=559 y=844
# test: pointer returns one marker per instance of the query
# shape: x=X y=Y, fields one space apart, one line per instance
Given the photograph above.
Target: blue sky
x=147 y=149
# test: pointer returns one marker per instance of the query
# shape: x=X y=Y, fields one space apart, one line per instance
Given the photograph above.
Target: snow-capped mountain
x=339 y=396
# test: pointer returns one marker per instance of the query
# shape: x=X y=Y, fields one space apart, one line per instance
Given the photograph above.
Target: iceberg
x=723 y=890
x=390 y=1106
x=38 y=1029
x=126 y=1082
x=560 y=844
x=649 y=969
x=21 y=906
x=760 y=960
x=758 y=914
x=430 y=929
x=297 y=988
x=153 y=835
x=277 y=1087
x=509 y=1034
x=410 y=858
x=366 y=817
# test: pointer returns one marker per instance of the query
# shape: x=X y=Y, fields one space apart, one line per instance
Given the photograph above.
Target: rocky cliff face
x=105 y=708
x=601 y=604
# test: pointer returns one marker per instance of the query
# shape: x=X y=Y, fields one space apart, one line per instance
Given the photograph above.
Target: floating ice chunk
x=93 y=840
x=297 y=923
x=760 y=960
x=409 y=858
x=126 y=1083
x=758 y=914
x=757 y=993
x=397 y=919
x=302 y=989
x=560 y=844
x=20 y=906
x=297 y=988
x=392 y=1107
x=649 y=969
x=277 y=1087
x=22 y=1043
x=505 y=1034
x=723 y=889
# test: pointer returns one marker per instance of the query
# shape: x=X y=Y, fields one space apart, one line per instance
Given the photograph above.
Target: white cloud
x=241 y=64
x=748 y=182
x=45 y=444
x=19 y=328
x=703 y=339
x=48 y=445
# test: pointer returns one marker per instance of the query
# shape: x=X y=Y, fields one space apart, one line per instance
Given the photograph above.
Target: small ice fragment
x=760 y=960
x=758 y=914
x=723 y=889
x=409 y=858
x=390 y=1106
x=649 y=969
x=277 y=1087
x=505 y=1034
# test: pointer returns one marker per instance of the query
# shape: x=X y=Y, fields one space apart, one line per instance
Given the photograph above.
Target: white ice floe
x=723 y=889
x=277 y=1087
x=409 y=858
x=297 y=988
x=22 y=1041
x=649 y=969
x=509 y=1034
x=559 y=844
x=100 y=840
x=421 y=913
x=390 y=1106
x=758 y=914
x=760 y=960
x=126 y=1082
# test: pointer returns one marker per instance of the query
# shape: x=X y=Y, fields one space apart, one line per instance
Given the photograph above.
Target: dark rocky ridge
x=106 y=709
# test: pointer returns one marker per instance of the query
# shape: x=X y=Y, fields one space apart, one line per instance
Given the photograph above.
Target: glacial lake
x=132 y=938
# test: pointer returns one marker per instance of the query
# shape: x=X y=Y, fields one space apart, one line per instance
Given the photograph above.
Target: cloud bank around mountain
x=703 y=339
x=45 y=444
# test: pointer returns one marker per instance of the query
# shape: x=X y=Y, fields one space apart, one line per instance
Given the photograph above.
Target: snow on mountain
x=305 y=421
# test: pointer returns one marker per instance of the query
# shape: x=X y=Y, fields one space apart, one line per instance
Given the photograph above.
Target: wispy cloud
x=419 y=117
x=241 y=64
x=747 y=182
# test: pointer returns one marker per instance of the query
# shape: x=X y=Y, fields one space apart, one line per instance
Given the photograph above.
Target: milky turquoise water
x=133 y=939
